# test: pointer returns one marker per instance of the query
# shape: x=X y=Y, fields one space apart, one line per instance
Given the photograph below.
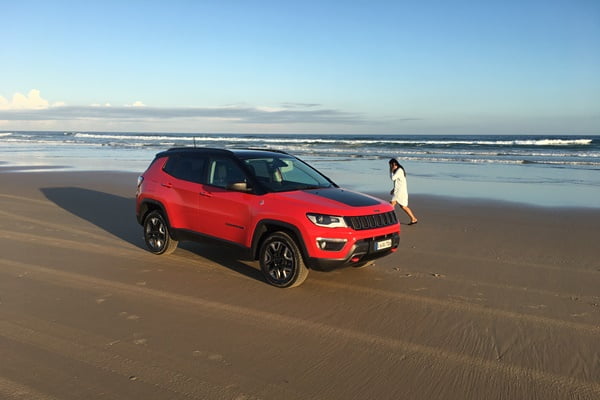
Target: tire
x=281 y=261
x=156 y=234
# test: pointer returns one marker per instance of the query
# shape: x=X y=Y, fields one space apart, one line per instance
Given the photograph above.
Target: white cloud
x=34 y=108
x=136 y=104
x=33 y=101
x=33 y=112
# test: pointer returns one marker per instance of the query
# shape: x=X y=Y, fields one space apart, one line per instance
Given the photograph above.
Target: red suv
x=282 y=211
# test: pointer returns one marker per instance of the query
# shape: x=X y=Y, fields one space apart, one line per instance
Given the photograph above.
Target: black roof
x=242 y=153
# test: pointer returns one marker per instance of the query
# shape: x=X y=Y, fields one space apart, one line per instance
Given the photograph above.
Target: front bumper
x=362 y=251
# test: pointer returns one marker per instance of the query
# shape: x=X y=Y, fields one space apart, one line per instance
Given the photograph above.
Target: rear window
x=188 y=167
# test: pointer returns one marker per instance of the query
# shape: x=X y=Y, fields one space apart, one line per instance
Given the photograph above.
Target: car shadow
x=112 y=213
x=228 y=256
x=116 y=215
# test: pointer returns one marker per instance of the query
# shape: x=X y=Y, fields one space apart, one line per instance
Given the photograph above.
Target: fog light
x=331 y=244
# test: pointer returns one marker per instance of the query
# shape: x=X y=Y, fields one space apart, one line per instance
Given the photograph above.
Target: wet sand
x=484 y=300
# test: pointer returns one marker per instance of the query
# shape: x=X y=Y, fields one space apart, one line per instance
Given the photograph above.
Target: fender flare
x=150 y=204
x=271 y=225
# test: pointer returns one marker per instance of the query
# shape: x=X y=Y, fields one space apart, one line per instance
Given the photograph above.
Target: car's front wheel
x=281 y=261
x=157 y=235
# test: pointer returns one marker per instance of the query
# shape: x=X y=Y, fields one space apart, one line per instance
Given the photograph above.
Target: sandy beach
x=483 y=300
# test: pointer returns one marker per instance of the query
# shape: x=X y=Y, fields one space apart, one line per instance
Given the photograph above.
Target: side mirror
x=239 y=187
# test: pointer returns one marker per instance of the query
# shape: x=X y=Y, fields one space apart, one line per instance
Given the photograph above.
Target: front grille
x=363 y=222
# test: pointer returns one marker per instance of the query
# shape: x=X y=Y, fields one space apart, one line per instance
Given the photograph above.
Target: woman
x=400 y=192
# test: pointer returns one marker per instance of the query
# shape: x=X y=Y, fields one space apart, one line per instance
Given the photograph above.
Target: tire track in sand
x=129 y=253
x=116 y=358
x=10 y=390
x=445 y=303
x=434 y=355
x=468 y=307
x=58 y=227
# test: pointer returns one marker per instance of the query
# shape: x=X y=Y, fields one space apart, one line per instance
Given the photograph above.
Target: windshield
x=280 y=173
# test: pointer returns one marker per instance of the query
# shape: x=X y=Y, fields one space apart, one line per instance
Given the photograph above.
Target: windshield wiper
x=312 y=187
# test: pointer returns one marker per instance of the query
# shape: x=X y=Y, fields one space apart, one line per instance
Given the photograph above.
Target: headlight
x=327 y=221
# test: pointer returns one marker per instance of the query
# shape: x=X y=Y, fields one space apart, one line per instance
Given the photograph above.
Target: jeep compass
x=279 y=209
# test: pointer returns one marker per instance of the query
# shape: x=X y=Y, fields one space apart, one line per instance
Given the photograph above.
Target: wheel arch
x=267 y=226
x=149 y=205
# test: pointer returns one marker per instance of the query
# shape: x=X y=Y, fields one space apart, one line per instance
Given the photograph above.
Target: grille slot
x=372 y=221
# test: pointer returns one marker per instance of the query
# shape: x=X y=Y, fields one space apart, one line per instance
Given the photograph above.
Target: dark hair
x=393 y=161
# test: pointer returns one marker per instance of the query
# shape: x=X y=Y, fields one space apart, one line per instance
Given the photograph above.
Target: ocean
x=542 y=170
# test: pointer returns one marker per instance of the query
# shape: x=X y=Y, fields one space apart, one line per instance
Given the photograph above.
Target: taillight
x=139 y=185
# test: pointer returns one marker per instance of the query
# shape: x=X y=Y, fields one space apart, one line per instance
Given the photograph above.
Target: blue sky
x=371 y=67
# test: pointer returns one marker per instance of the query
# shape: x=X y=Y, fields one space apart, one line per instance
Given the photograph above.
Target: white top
x=400 y=193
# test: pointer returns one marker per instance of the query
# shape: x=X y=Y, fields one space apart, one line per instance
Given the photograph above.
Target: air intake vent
x=371 y=221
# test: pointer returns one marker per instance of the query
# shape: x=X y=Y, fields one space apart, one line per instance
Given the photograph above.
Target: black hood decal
x=352 y=199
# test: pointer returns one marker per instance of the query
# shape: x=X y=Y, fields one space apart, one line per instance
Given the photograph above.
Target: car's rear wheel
x=281 y=261
x=157 y=235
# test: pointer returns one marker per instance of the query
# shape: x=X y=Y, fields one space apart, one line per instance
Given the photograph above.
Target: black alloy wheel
x=281 y=261
x=156 y=234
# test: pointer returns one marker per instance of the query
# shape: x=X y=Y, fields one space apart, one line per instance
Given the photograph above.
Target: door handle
x=167 y=185
x=205 y=194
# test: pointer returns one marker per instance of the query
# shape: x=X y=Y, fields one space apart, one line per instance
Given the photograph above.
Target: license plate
x=383 y=244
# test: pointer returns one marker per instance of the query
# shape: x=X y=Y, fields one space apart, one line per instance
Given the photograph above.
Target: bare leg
x=408 y=211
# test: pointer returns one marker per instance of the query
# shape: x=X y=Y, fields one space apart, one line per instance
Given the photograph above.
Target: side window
x=223 y=172
x=188 y=167
x=261 y=169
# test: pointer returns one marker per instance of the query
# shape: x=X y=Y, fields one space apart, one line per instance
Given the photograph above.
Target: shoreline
x=413 y=197
x=543 y=170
